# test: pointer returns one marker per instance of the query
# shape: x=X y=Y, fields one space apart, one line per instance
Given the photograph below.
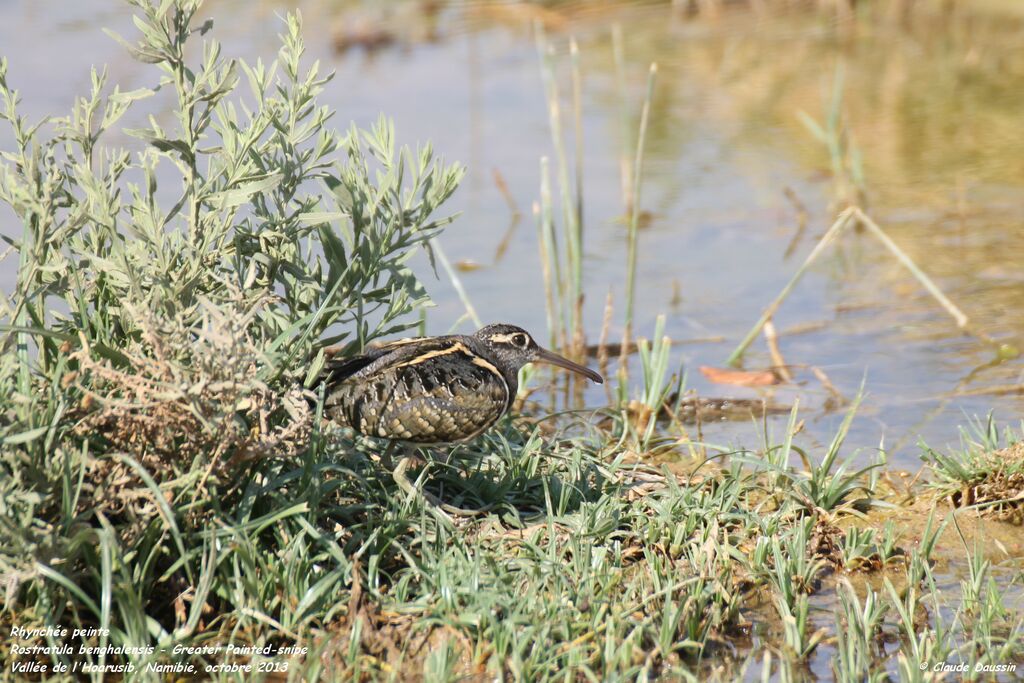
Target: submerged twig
x=435 y=245
x=835 y=394
x=778 y=361
x=996 y=390
x=499 y=182
x=857 y=214
x=961 y=318
x=499 y=251
x=613 y=349
x=801 y=220
x=840 y=223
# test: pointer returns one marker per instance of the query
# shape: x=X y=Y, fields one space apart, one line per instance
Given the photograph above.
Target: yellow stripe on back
x=487 y=365
x=396 y=342
x=457 y=347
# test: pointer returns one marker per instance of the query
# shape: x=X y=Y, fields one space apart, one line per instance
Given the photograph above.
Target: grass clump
x=986 y=474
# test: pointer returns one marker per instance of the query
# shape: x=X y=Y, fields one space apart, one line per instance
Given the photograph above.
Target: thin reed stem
x=959 y=316
x=578 y=338
x=572 y=288
x=625 y=159
x=841 y=221
x=550 y=265
x=634 y=220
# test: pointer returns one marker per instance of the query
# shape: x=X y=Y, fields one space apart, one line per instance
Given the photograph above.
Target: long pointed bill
x=545 y=356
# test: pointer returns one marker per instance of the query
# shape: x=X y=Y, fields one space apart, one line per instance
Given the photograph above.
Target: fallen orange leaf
x=744 y=378
x=467 y=266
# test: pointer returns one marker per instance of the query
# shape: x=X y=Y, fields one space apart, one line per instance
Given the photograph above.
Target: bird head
x=513 y=347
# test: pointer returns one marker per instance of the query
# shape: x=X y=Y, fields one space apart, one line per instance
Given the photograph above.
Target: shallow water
x=934 y=109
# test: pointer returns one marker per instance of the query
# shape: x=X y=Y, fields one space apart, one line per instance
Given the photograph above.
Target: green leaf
x=317 y=217
x=241 y=194
x=131 y=95
x=103 y=350
x=314 y=368
x=142 y=55
x=161 y=143
x=334 y=250
x=25 y=437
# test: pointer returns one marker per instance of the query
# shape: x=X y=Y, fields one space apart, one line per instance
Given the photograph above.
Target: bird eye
x=519 y=340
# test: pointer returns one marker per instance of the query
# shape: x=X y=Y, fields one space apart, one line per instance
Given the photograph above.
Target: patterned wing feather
x=438 y=391
x=338 y=370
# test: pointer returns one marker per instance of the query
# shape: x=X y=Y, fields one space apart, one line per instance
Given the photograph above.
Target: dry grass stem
x=778 y=362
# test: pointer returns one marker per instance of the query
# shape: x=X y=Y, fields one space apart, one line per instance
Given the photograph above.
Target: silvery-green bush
x=171 y=300
x=275 y=218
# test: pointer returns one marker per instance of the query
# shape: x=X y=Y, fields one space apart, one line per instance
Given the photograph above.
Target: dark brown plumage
x=435 y=389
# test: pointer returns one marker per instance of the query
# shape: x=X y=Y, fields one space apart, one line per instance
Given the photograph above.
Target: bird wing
x=448 y=395
x=338 y=370
x=372 y=374
x=436 y=390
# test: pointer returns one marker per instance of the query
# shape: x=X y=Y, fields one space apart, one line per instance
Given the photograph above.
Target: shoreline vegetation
x=173 y=501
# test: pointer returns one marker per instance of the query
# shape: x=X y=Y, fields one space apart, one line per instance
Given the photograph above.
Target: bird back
x=426 y=390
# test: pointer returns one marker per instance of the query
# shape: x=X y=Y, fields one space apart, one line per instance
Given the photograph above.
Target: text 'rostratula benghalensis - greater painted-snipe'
x=434 y=390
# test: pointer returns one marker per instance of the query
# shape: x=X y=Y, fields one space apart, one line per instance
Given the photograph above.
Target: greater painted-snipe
x=434 y=390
